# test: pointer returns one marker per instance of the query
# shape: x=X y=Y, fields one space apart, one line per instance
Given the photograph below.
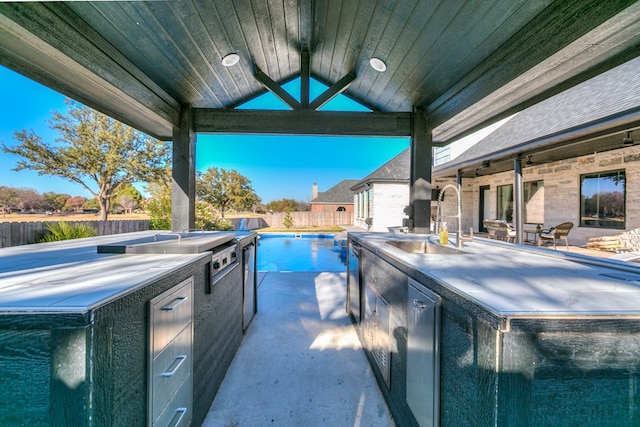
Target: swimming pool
x=300 y=252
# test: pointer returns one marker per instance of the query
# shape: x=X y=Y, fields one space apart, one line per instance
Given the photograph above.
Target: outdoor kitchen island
x=497 y=334
x=122 y=330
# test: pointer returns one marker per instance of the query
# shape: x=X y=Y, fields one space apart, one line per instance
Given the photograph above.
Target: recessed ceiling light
x=230 y=59
x=378 y=64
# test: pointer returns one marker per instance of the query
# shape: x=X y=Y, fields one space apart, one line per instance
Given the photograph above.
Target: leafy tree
x=29 y=199
x=130 y=190
x=54 y=201
x=283 y=205
x=159 y=210
x=128 y=198
x=127 y=203
x=74 y=203
x=303 y=207
x=8 y=198
x=91 y=204
x=226 y=189
x=160 y=185
x=93 y=150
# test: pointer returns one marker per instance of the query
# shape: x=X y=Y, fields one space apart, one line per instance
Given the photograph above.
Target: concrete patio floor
x=300 y=363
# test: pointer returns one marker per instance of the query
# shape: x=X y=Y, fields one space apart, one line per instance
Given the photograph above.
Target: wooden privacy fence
x=310 y=219
x=23 y=233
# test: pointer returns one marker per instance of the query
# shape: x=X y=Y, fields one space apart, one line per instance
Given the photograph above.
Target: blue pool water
x=301 y=252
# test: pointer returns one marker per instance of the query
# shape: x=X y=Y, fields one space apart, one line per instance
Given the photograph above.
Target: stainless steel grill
x=223 y=259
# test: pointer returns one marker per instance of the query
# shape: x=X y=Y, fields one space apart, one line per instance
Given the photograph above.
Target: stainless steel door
x=249 y=285
x=353 y=282
x=423 y=354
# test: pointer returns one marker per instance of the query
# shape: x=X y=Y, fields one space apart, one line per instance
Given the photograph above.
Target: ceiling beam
x=304 y=79
x=336 y=89
x=276 y=89
x=305 y=24
x=302 y=122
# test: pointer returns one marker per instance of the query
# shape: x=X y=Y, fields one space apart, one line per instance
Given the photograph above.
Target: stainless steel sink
x=423 y=247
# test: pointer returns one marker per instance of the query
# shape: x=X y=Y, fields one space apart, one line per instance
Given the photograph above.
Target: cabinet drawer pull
x=182 y=412
x=174 y=306
x=419 y=304
x=180 y=360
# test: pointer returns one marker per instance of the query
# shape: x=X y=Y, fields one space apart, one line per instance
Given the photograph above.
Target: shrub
x=159 y=210
x=207 y=218
x=288 y=220
x=62 y=230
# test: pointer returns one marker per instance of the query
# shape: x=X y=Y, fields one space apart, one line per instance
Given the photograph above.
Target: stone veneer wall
x=631 y=239
x=561 y=191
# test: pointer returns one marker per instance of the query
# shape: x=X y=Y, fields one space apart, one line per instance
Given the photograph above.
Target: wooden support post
x=420 y=176
x=183 y=187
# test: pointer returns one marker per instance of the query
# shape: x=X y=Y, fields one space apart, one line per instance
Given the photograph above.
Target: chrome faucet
x=155 y=237
x=459 y=236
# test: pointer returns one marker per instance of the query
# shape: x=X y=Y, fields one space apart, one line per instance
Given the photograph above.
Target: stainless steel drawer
x=170 y=369
x=170 y=313
x=423 y=354
x=171 y=357
x=178 y=412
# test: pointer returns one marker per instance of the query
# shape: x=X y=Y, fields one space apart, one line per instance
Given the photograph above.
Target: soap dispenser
x=444 y=234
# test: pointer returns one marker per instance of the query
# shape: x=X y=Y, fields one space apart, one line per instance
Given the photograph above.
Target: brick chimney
x=314 y=190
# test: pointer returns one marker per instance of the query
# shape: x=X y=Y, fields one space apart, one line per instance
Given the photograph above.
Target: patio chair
x=556 y=233
x=499 y=229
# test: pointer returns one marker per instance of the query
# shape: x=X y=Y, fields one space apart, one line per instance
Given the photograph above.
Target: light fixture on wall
x=627 y=140
x=378 y=64
x=230 y=59
x=529 y=162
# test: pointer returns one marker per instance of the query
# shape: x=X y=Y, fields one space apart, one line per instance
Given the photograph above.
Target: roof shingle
x=339 y=194
x=604 y=96
x=395 y=170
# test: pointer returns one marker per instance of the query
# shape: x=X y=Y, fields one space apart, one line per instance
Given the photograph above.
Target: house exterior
x=338 y=198
x=577 y=156
x=574 y=166
x=380 y=198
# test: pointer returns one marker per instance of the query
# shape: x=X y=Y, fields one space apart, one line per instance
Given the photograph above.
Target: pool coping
x=299 y=235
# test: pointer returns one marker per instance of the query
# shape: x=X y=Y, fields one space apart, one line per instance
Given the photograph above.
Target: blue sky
x=278 y=166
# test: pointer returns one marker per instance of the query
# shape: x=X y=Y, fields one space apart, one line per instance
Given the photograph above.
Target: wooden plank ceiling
x=464 y=62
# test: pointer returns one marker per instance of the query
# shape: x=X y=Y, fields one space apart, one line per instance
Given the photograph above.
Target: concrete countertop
x=70 y=276
x=518 y=281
